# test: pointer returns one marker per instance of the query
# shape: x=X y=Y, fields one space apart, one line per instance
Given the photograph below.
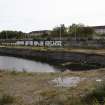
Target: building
x=39 y=33
x=99 y=29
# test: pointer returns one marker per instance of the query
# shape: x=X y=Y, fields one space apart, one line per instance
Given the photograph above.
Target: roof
x=40 y=31
x=98 y=27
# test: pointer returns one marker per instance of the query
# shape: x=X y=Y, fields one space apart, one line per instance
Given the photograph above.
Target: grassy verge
x=100 y=51
x=97 y=96
x=23 y=88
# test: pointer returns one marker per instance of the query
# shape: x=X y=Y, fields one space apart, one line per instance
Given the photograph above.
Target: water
x=19 y=64
x=67 y=81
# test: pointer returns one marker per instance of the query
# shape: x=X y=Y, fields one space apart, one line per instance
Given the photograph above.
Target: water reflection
x=18 y=64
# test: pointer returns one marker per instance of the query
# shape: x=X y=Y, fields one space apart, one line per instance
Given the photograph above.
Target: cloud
x=28 y=15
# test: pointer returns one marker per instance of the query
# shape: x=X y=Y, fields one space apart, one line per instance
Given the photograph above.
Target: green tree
x=11 y=35
x=59 y=30
x=80 y=31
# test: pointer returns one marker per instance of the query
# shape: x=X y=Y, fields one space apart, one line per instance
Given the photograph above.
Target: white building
x=99 y=29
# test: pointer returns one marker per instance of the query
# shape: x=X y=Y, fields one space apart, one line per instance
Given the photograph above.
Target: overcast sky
x=29 y=15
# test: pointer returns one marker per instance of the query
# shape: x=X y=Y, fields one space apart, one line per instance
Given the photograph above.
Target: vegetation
x=81 y=31
x=12 y=35
x=97 y=96
x=59 y=30
x=75 y=30
x=6 y=99
x=23 y=88
x=78 y=31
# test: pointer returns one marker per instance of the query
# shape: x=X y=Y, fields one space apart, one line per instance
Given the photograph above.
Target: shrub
x=6 y=99
x=96 y=97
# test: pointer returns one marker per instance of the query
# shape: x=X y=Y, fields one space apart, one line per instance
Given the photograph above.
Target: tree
x=80 y=31
x=88 y=32
x=11 y=35
x=59 y=30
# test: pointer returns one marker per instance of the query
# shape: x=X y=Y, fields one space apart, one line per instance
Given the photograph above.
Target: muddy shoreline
x=61 y=60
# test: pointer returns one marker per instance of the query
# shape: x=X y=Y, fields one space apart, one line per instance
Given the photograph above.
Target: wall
x=54 y=56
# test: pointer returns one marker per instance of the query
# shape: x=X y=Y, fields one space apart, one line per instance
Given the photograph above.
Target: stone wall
x=53 y=56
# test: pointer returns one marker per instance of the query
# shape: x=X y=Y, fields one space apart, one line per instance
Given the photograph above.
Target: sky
x=31 y=15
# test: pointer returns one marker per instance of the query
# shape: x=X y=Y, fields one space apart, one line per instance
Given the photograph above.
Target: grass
x=97 y=96
x=37 y=89
x=6 y=99
x=100 y=51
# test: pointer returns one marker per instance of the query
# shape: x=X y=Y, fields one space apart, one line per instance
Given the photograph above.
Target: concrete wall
x=65 y=43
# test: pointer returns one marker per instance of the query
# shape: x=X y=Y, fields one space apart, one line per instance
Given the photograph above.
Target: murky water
x=67 y=81
x=19 y=64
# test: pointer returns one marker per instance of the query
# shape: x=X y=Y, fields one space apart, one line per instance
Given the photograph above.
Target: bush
x=6 y=99
x=96 y=97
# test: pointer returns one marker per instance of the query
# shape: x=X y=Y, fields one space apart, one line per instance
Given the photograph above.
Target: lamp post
x=60 y=33
x=75 y=33
x=6 y=35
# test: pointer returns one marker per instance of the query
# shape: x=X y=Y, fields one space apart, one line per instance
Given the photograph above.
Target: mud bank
x=55 y=57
